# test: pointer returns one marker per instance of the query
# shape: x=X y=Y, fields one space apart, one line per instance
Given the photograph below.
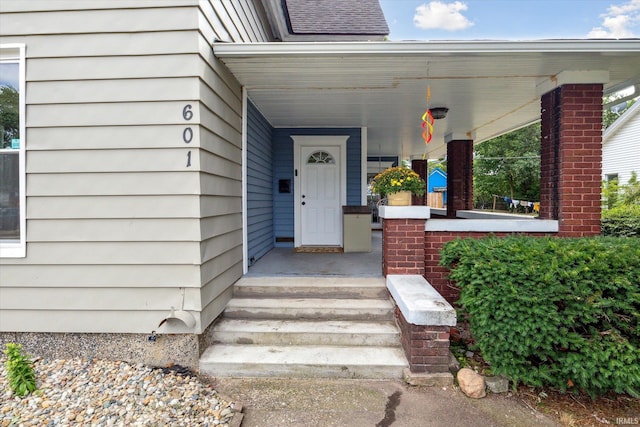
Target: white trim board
x=493 y=225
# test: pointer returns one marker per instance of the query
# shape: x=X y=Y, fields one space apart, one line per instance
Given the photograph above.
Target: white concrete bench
x=419 y=302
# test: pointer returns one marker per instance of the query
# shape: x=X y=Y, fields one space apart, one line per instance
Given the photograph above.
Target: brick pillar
x=403 y=246
x=421 y=168
x=459 y=176
x=571 y=158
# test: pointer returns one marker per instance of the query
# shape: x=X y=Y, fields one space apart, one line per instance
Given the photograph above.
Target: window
x=321 y=157
x=12 y=151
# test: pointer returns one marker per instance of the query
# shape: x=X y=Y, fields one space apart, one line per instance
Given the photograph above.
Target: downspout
x=245 y=232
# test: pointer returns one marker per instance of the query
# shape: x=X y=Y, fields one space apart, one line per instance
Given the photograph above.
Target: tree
x=508 y=165
x=9 y=115
x=610 y=115
x=439 y=164
x=617 y=194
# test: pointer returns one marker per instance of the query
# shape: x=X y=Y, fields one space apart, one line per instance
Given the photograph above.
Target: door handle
x=304 y=203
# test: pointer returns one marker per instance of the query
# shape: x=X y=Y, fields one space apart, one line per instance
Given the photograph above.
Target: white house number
x=187 y=133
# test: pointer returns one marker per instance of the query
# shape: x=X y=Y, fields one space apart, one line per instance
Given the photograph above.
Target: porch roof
x=490 y=87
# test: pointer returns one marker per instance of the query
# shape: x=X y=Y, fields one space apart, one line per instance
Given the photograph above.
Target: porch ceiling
x=490 y=87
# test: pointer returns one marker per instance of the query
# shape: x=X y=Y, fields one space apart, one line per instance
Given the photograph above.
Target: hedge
x=555 y=312
x=622 y=221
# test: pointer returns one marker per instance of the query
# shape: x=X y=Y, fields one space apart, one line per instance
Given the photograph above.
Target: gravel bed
x=107 y=393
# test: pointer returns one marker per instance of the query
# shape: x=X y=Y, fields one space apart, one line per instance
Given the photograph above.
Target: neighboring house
x=437 y=188
x=167 y=144
x=621 y=146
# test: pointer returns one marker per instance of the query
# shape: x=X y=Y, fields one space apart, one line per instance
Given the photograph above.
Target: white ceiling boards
x=490 y=87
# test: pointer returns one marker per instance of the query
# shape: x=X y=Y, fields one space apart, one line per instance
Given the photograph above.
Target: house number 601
x=187 y=133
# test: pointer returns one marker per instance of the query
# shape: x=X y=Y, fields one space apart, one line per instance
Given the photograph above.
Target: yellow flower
x=397 y=179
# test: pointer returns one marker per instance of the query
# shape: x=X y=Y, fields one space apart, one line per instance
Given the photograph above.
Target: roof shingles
x=336 y=17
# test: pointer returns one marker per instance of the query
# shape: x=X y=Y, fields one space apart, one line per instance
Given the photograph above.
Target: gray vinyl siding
x=119 y=227
x=221 y=150
x=260 y=186
x=283 y=169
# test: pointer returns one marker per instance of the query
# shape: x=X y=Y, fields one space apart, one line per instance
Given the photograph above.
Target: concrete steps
x=309 y=308
x=306 y=327
x=288 y=332
x=299 y=361
x=311 y=287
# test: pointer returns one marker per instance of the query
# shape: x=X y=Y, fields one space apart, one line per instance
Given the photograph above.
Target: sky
x=511 y=19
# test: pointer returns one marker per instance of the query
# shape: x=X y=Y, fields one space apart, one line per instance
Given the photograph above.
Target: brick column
x=403 y=246
x=459 y=176
x=421 y=168
x=571 y=158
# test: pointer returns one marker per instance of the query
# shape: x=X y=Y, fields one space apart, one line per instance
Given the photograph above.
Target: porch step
x=306 y=327
x=303 y=361
x=295 y=332
x=309 y=308
x=310 y=287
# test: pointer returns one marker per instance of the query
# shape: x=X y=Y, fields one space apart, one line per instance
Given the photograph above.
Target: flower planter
x=401 y=198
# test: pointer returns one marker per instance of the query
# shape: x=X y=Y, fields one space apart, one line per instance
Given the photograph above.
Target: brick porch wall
x=426 y=347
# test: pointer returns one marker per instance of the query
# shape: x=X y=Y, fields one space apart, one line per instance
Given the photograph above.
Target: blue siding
x=283 y=223
x=259 y=184
x=282 y=202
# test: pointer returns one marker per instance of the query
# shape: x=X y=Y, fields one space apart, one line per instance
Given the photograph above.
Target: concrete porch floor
x=286 y=262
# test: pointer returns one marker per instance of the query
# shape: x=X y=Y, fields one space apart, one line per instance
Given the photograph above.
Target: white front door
x=319 y=195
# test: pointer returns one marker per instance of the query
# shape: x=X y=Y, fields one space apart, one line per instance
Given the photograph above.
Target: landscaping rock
x=107 y=393
x=497 y=384
x=471 y=383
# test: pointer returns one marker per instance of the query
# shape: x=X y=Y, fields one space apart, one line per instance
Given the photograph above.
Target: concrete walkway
x=360 y=403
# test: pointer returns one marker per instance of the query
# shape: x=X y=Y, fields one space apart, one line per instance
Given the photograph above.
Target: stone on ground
x=471 y=383
x=497 y=384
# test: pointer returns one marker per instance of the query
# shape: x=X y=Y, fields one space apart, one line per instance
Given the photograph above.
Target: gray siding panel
x=119 y=224
x=221 y=147
x=259 y=184
x=111 y=20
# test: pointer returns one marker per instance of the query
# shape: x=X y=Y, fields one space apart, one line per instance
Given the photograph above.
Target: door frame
x=319 y=140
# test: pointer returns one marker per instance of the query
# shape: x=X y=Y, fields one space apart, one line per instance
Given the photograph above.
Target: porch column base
x=403 y=239
x=425 y=335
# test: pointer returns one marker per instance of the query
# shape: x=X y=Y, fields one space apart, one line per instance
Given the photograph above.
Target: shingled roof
x=335 y=17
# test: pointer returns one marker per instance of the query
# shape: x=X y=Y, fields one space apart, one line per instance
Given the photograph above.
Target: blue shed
x=437 y=183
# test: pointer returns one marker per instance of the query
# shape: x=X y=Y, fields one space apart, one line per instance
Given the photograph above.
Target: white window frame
x=15 y=52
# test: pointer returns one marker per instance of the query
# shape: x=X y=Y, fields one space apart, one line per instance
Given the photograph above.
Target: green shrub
x=622 y=221
x=554 y=312
x=20 y=373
